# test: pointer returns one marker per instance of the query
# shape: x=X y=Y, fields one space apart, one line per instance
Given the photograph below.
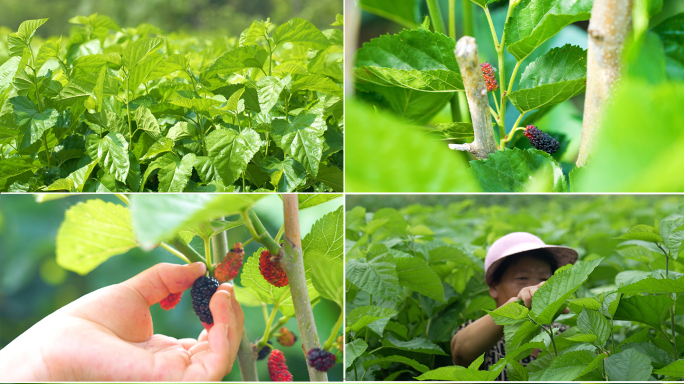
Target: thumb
x=157 y=282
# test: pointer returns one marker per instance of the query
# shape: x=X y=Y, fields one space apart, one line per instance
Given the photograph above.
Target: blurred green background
x=32 y=285
x=228 y=16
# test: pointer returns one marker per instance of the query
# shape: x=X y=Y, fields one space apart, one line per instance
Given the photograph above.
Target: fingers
x=157 y=282
x=222 y=339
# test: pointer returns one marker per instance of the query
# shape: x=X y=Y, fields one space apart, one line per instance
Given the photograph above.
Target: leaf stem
x=123 y=198
x=267 y=330
x=507 y=139
x=128 y=110
x=174 y=252
x=502 y=76
x=280 y=233
x=188 y=251
x=452 y=19
x=258 y=231
x=515 y=71
x=436 y=16
x=333 y=332
x=207 y=255
x=491 y=27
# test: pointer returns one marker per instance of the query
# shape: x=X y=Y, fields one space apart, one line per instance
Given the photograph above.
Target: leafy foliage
x=636 y=331
x=127 y=110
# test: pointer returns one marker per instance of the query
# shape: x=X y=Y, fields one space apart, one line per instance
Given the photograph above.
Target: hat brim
x=562 y=255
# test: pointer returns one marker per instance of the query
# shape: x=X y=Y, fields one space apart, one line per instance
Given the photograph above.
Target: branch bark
x=352 y=21
x=292 y=262
x=245 y=356
x=608 y=28
x=478 y=103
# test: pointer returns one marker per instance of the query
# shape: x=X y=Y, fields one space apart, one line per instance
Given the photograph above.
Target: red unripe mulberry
x=277 y=368
x=286 y=338
x=490 y=77
x=229 y=268
x=170 y=301
x=271 y=270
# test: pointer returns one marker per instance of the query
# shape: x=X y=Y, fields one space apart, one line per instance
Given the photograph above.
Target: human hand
x=526 y=294
x=108 y=335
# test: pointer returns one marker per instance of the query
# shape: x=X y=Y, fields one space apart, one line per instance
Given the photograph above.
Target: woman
x=516 y=266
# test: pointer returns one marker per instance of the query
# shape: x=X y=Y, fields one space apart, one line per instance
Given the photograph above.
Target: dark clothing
x=498 y=352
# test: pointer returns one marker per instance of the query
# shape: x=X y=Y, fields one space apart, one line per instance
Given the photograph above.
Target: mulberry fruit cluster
x=229 y=268
x=277 y=368
x=271 y=270
x=321 y=359
x=541 y=140
x=286 y=338
x=170 y=301
x=202 y=291
x=489 y=76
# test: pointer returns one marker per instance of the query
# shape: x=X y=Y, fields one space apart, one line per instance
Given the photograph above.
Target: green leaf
x=567 y=367
x=308 y=200
x=160 y=146
x=31 y=121
x=594 y=323
x=257 y=30
x=416 y=59
x=650 y=310
x=510 y=313
x=302 y=32
x=20 y=40
x=659 y=358
x=670 y=33
x=404 y=12
x=360 y=317
x=146 y=121
x=7 y=72
x=532 y=22
x=47 y=51
x=654 y=286
x=551 y=296
x=642 y=232
x=112 y=154
x=231 y=151
x=383 y=140
x=136 y=51
x=352 y=351
x=552 y=78
x=629 y=365
x=675 y=369
x=517 y=170
x=455 y=373
x=92 y=232
x=175 y=172
x=75 y=181
x=377 y=276
x=397 y=359
x=317 y=83
x=456 y=131
x=286 y=175
x=414 y=273
x=415 y=345
x=302 y=139
x=10 y=168
x=331 y=176
x=327 y=275
x=158 y=217
x=269 y=89
x=251 y=56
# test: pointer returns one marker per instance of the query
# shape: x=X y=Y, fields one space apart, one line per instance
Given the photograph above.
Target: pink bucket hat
x=518 y=242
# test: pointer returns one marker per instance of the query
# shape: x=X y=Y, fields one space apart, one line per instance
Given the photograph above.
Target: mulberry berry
x=277 y=367
x=264 y=351
x=489 y=77
x=202 y=291
x=286 y=338
x=170 y=301
x=229 y=268
x=271 y=270
x=541 y=140
x=321 y=359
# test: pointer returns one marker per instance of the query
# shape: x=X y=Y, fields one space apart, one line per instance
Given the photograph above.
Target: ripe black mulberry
x=202 y=291
x=541 y=140
x=321 y=359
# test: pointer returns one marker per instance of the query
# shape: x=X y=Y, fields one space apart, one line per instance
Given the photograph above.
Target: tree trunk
x=609 y=25
x=476 y=92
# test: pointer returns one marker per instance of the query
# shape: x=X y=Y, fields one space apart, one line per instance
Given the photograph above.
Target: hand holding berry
x=108 y=335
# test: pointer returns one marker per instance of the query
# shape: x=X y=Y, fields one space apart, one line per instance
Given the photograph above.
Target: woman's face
x=526 y=272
